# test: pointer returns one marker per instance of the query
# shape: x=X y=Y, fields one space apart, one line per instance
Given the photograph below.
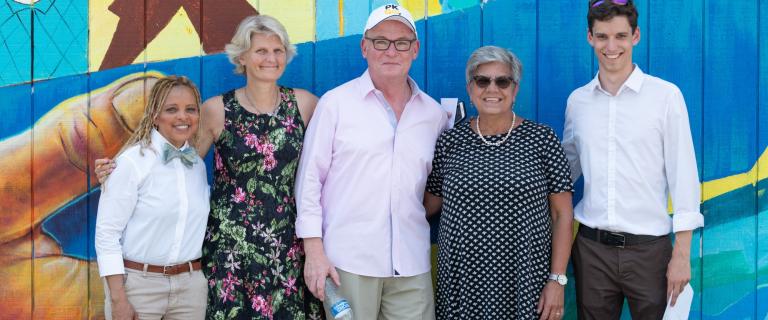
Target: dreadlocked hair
x=157 y=96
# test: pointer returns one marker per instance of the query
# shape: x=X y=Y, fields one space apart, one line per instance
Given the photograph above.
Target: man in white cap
x=360 y=183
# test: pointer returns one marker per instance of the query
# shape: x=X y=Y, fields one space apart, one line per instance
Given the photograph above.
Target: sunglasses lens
x=503 y=83
x=482 y=82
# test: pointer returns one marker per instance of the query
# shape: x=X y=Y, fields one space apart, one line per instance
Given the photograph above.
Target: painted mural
x=74 y=75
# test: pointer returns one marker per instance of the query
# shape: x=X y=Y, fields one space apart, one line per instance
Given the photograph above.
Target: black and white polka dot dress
x=495 y=236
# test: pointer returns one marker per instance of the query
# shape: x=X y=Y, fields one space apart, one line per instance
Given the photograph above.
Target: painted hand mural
x=66 y=140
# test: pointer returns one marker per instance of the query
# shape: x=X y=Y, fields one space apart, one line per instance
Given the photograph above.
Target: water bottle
x=339 y=306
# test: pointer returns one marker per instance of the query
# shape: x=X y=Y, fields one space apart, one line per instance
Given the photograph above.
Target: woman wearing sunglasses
x=504 y=187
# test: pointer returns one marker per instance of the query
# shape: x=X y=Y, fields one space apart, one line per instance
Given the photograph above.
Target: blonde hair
x=160 y=91
x=258 y=24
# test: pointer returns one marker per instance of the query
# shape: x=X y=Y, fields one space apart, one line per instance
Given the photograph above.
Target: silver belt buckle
x=617 y=239
x=165 y=269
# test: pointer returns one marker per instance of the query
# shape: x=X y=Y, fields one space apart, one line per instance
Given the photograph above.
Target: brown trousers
x=605 y=275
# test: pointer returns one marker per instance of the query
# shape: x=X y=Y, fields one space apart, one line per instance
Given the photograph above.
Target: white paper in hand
x=449 y=105
x=682 y=306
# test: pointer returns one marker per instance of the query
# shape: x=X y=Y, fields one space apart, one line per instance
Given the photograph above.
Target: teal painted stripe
x=60 y=38
x=327 y=19
x=499 y=19
x=355 y=16
x=15 y=43
x=453 y=5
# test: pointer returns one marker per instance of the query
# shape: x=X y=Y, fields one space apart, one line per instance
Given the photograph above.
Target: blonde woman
x=153 y=212
x=251 y=256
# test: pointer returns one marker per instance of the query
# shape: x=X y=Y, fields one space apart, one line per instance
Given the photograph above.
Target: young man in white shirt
x=628 y=134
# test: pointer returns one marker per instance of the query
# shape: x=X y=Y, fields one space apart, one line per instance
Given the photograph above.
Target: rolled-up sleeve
x=314 y=163
x=119 y=195
x=680 y=166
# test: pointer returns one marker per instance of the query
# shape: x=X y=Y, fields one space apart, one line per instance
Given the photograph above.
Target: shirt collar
x=634 y=82
x=365 y=84
x=158 y=141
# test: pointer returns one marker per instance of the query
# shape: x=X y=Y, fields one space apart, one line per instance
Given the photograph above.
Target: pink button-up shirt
x=361 y=179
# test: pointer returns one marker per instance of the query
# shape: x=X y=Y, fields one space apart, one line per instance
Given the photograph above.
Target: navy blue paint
x=300 y=71
x=419 y=67
x=510 y=25
x=220 y=76
x=188 y=67
x=564 y=59
x=448 y=49
x=16 y=110
x=339 y=60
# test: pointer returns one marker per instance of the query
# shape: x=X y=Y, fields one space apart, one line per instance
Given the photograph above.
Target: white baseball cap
x=390 y=12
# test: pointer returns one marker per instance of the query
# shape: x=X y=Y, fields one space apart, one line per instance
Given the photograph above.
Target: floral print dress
x=251 y=255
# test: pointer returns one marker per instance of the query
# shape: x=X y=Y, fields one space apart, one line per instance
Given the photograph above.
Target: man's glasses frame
x=384 y=44
x=502 y=82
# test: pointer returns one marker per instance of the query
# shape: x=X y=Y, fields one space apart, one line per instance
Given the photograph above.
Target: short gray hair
x=488 y=54
x=258 y=24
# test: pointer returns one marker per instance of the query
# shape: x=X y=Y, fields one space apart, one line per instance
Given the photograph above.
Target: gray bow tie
x=187 y=156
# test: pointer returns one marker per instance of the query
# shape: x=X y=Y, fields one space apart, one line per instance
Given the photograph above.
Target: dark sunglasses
x=616 y=2
x=502 y=82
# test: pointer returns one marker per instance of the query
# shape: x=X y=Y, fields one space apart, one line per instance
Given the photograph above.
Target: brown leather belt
x=165 y=270
x=616 y=239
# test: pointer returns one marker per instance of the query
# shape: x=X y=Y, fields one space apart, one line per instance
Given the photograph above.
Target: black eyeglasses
x=616 y=2
x=502 y=82
x=383 y=44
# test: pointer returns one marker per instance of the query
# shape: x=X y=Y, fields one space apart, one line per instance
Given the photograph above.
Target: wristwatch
x=559 y=278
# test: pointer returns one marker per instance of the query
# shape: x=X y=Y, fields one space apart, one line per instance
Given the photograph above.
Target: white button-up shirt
x=634 y=149
x=151 y=212
x=361 y=178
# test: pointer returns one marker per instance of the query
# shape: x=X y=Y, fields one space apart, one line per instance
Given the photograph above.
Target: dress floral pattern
x=251 y=255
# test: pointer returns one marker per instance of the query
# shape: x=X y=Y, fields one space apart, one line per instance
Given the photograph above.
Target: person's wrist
x=560 y=279
x=117 y=298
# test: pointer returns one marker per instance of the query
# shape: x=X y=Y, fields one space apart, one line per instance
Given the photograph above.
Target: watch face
x=562 y=280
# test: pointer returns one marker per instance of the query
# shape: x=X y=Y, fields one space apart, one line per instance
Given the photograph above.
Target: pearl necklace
x=498 y=143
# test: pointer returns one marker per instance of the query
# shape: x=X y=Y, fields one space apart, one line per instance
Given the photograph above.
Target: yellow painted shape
x=417 y=7
x=341 y=18
x=298 y=17
x=721 y=186
x=101 y=25
x=434 y=7
x=178 y=39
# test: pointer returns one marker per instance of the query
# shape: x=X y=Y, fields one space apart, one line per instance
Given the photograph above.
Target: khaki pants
x=396 y=298
x=155 y=296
